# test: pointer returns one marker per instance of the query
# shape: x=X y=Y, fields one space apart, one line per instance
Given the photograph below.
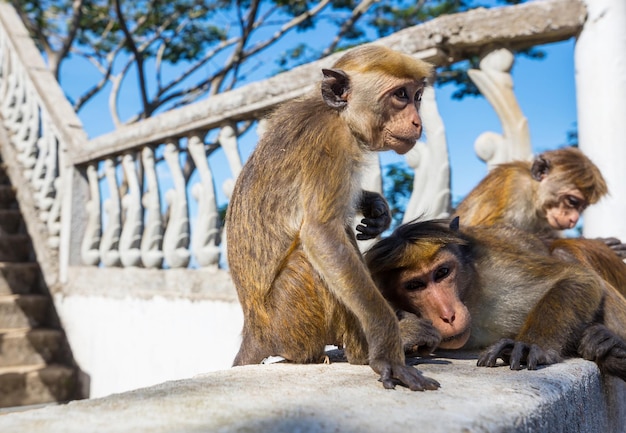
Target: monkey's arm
x=570 y=304
x=377 y=215
x=336 y=258
x=419 y=336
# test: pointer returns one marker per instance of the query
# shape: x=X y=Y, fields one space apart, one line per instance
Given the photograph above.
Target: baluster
x=53 y=221
x=176 y=238
x=152 y=241
x=430 y=162
x=47 y=163
x=495 y=83
x=109 y=254
x=130 y=239
x=228 y=140
x=25 y=138
x=206 y=236
x=89 y=250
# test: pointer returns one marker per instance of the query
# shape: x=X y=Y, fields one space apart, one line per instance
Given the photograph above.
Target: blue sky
x=545 y=90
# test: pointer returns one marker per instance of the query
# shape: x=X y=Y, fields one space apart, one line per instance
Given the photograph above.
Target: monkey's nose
x=448 y=318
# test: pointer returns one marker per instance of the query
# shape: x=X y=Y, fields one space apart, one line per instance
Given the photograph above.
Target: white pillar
x=600 y=58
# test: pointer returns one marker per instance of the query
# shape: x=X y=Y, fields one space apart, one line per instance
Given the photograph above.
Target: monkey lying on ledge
x=499 y=288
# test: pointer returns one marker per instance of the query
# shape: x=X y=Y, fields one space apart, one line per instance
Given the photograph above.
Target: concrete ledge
x=568 y=397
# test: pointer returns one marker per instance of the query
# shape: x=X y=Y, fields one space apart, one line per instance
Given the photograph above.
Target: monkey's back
x=297 y=169
x=515 y=271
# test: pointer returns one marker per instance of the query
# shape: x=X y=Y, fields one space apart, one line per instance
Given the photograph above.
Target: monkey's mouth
x=456 y=341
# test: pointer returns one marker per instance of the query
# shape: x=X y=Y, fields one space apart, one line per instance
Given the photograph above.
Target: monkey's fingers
x=367 y=232
x=539 y=356
x=616 y=245
x=519 y=355
x=501 y=349
x=390 y=376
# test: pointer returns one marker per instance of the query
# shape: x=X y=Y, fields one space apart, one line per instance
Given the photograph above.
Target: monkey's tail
x=605 y=348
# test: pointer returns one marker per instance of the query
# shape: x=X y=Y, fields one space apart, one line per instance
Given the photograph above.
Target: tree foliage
x=172 y=52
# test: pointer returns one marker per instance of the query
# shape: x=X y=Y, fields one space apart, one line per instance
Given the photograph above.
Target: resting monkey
x=301 y=280
x=486 y=286
x=543 y=197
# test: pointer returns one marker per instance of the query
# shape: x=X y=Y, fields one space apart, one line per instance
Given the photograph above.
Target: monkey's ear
x=540 y=168
x=335 y=88
x=454 y=224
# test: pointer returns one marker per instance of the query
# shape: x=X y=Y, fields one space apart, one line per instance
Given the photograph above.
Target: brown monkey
x=301 y=280
x=543 y=197
x=481 y=286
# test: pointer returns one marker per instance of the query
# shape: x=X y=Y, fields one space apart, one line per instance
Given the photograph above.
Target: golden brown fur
x=301 y=280
x=485 y=288
x=522 y=193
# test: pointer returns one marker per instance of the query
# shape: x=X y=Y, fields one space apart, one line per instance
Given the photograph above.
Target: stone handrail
x=146 y=194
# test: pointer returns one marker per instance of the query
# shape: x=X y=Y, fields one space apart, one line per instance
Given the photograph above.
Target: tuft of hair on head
x=377 y=58
x=424 y=238
x=574 y=167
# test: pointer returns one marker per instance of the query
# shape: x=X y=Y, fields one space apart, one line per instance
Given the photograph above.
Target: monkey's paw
x=517 y=353
x=392 y=374
x=377 y=216
x=616 y=245
x=419 y=336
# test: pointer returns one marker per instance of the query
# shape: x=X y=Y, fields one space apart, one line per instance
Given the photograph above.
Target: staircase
x=36 y=365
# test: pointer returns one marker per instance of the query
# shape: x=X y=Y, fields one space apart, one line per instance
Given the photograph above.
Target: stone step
x=30 y=346
x=15 y=248
x=10 y=221
x=23 y=311
x=7 y=197
x=19 y=278
x=36 y=384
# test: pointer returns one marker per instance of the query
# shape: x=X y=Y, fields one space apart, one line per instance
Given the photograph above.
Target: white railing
x=148 y=194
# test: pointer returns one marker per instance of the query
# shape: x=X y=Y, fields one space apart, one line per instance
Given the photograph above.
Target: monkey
x=481 y=287
x=302 y=281
x=543 y=197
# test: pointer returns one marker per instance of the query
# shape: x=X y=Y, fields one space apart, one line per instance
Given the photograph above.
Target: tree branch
x=138 y=58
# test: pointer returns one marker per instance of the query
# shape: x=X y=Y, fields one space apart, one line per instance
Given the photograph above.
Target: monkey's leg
x=298 y=309
x=606 y=349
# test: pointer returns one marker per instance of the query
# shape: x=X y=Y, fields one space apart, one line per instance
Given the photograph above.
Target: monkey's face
x=404 y=125
x=433 y=291
x=388 y=119
x=566 y=212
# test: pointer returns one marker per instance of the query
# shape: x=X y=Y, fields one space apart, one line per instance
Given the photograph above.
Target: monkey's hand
x=601 y=345
x=419 y=336
x=377 y=215
x=616 y=245
x=516 y=353
x=392 y=374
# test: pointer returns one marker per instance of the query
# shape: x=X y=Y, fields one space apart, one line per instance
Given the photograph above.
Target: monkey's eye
x=418 y=95
x=414 y=285
x=441 y=273
x=574 y=202
x=401 y=93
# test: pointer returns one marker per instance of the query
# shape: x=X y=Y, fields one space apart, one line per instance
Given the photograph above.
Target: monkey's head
x=568 y=183
x=378 y=93
x=423 y=268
